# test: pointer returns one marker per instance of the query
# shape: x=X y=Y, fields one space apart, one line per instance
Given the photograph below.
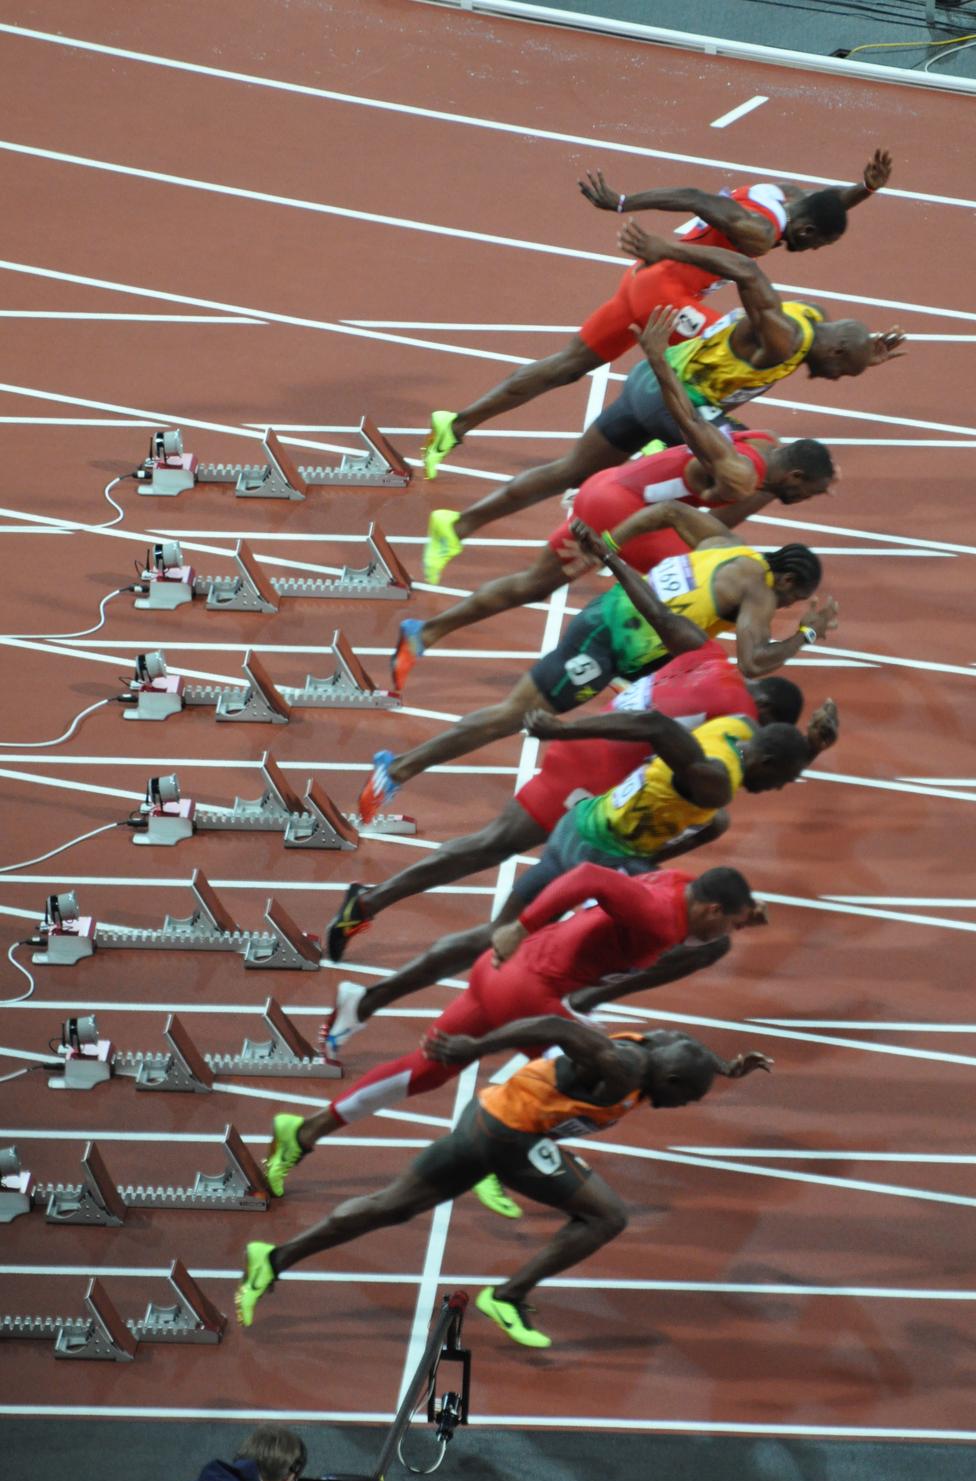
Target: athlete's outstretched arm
x=587 y=1047
x=748 y=231
x=875 y=176
x=680 y=962
x=757 y=652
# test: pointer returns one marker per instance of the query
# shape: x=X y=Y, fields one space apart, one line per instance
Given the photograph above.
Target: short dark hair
x=799 y=562
x=826 y=211
x=725 y=887
x=781 y=698
x=278 y=1453
x=784 y=745
x=810 y=457
x=693 y=1066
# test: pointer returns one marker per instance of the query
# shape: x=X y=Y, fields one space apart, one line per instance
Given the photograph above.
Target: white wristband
x=620 y=202
x=809 y=634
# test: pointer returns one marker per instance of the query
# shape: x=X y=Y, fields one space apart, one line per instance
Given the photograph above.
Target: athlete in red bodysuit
x=733 y=477
x=751 y=219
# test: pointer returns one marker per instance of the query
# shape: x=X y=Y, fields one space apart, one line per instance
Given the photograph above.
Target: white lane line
x=241 y=764
x=936 y=902
x=258 y=1139
x=870 y=1025
x=736 y=113
x=135 y=318
x=76 y=422
x=786 y=1154
x=439 y=116
x=855 y=534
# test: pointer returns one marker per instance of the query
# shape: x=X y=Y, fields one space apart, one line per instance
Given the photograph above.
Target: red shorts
x=607 y=331
x=603 y=503
x=572 y=770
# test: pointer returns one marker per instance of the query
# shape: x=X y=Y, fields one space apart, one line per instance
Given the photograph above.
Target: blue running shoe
x=380 y=787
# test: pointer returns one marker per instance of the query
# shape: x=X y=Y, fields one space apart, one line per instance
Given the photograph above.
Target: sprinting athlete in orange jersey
x=752 y=219
x=513 y=1131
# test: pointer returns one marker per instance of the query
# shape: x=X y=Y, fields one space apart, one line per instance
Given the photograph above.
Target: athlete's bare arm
x=748 y=231
x=757 y=653
x=774 y=334
x=874 y=177
x=594 y=1054
x=680 y=962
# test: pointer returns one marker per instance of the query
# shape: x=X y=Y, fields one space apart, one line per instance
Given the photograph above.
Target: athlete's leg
x=542 y=578
x=588 y=455
x=597 y=1215
x=569 y=364
x=470 y=732
x=446 y=958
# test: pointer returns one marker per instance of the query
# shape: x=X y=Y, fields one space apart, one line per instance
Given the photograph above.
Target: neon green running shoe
x=512 y=1317
x=654 y=446
x=493 y=1196
x=442 y=544
x=259 y=1277
x=286 y=1152
x=440 y=442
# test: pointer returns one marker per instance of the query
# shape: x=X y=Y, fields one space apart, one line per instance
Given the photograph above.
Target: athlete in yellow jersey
x=514 y=1133
x=749 y=355
x=720 y=584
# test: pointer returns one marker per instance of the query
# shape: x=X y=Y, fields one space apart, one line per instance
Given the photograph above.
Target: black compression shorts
x=525 y=1161
x=584 y=661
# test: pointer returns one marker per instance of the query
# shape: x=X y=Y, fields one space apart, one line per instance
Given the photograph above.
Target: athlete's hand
x=744 y=1064
x=822 y=619
x=574 y=560
x=599 y=194
x=757 y=916
x=653 y=338
x=877 y=171
x=506 y=941
x=588 y=541
x=543 y=724
x=824 y=727
x=449 y=1048
x=887 y=346
x=636 y=242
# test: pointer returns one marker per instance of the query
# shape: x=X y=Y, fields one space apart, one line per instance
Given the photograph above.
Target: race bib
x=545 y=1157
x=581 y=668
x=672 y=577
x=636 y=697
x=689 y=323
x=628 y=788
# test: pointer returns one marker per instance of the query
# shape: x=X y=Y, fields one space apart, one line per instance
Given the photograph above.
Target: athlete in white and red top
x=751 y=219
x=734 y=477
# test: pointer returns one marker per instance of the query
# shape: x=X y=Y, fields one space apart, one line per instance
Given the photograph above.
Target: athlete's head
x=797 y=573
x=816 y=220
x=776 y=699
x=279 y=1454
x=841 y=347
x=774 y=757
x=679 y=1070
x=719 y=901
x=800 y=470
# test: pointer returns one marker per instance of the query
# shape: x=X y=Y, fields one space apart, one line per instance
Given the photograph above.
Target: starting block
x=98 y=1200
x=285 y=1054
x=103 y=1335
x=211 y=927
x=169 y=471
x=169 y=583
x=310 y=822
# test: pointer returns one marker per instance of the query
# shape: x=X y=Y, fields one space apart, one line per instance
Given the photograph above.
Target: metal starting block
x=348 y=688
x=169 y=471
x=285 y=1054
x=169 y=583
x=103 y=1335
x=98 y=1200
x=211 y=927
x=311 y=822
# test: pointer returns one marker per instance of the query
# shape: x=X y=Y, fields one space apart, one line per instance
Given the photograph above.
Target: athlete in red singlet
x=751 y=219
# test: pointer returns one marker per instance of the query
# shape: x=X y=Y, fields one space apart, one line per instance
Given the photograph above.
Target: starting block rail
x=169 y=471
x=98 y=1200
x=103 y=1335
x=250 y=590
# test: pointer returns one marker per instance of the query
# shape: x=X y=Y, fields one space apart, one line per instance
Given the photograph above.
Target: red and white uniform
x=641 y=289
x=609 y=497
x=692 y=688
x=635 y=920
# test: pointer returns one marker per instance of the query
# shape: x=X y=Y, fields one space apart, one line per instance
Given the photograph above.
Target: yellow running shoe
x=440 y=442
x=493 y=1196
x=442 y=544
x=654 y=446
x=512 y=1317
x=259 y=1277
x=286 y=1152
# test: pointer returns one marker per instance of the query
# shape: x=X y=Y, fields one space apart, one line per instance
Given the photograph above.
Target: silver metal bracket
x=251 y=591
x=285 y=1054
x=380 y=465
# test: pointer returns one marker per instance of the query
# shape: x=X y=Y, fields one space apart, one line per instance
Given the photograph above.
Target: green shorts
x=525 y=1161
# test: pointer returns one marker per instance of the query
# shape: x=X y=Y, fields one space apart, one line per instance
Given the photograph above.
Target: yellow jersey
x=645 y=811
x=712 y=372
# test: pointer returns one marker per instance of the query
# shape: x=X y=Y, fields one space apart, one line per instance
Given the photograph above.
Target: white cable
x=943 y=56
x=16 y=1073
x=85 y=631
x=9 y=1002
x=35 y=745
x=9 y=868
x=121 y=515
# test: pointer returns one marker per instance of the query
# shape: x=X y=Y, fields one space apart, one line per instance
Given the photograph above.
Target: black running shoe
x=349 y=920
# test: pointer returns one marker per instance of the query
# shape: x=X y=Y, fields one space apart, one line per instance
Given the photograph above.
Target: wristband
x=871 y=189
x=809 y=634
x=620 y=202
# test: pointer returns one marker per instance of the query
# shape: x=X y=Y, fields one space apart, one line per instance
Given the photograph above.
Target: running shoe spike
x=512 y=1317
x=442 y=544
x=344 y=1020
x=259 y=1277
x=440 y=442
x=286 y=1151
x=347 y=922
x=380 y=787
x=410 y=647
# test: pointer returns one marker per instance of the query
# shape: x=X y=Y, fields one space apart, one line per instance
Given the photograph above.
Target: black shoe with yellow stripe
x=349 y=920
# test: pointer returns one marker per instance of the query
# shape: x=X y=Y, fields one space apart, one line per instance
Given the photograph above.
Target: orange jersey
x=532 y=1101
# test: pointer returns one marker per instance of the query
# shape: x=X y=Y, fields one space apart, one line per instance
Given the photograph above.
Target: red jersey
x=662 y=476
x=636 y=918
x=685 y=281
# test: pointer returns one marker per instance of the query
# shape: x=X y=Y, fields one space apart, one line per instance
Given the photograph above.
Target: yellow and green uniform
x=713 y=374
x=643 y=813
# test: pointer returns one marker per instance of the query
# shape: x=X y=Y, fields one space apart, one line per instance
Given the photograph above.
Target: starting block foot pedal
x=104 y=1336
x=260 y=701
x=192 y=1317
x=284 y=946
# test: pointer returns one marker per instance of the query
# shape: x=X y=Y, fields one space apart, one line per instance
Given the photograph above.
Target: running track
x=382 y=225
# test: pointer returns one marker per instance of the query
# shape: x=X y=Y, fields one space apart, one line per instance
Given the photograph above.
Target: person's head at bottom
x=270 y=1453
